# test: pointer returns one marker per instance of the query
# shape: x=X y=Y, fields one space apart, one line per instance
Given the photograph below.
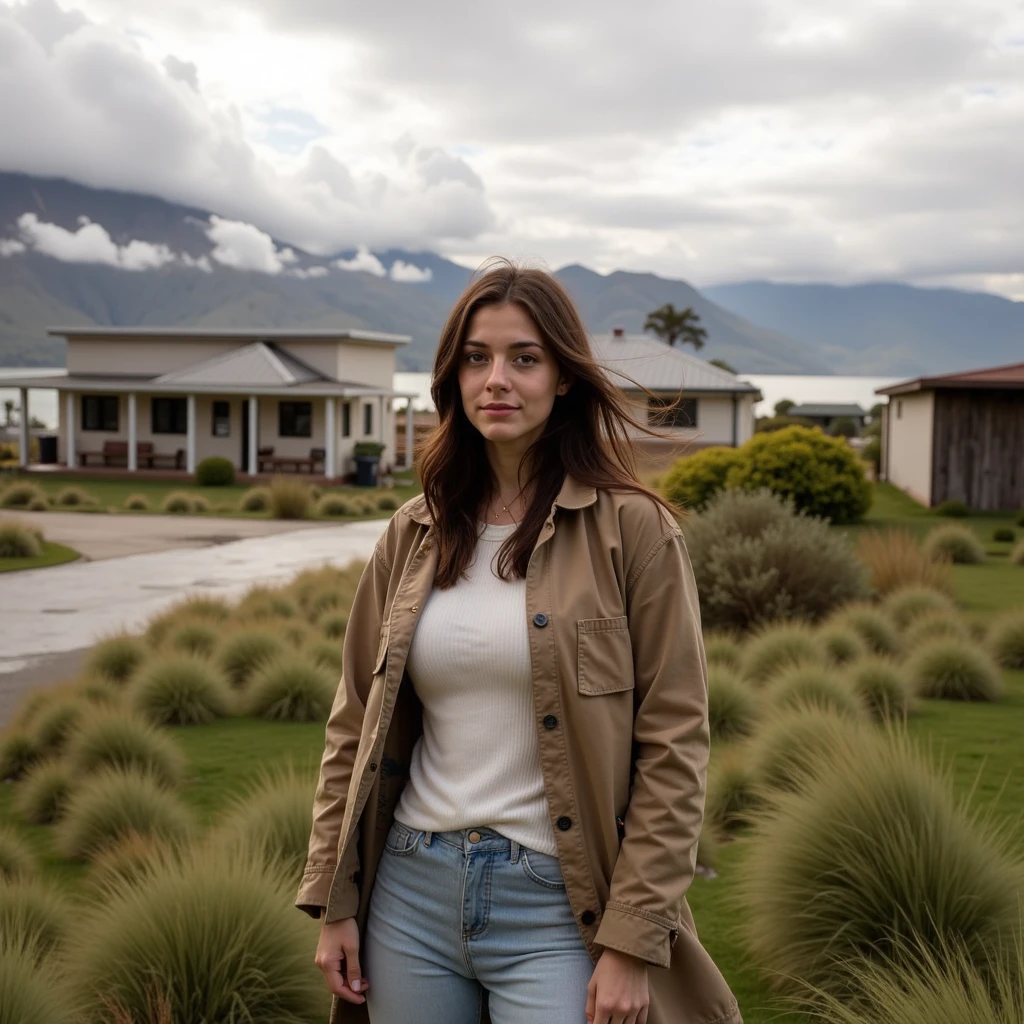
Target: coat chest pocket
x=605 y=655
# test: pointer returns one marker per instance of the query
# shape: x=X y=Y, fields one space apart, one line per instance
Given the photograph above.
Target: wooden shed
x=957 y=437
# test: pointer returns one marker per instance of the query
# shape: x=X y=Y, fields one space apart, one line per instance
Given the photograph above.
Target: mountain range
x=757 y=327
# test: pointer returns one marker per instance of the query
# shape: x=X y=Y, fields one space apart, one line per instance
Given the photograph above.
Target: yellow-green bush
x=695 y=479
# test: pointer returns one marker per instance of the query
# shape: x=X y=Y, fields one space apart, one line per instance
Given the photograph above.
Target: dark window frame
x=96 y=413
x=368 y=419
x=222 y=416
x=346 y=419
x=289 y=418
x=660 y=411
x=168 y=414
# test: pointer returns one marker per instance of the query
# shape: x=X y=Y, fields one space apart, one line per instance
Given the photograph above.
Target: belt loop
x=426 y=838
x=515 y=852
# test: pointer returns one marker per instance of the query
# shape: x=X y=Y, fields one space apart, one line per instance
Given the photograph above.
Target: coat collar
x=572 y=494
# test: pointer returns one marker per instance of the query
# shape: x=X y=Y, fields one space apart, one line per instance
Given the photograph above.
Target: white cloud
x=364 y=261
x=91 y=243
x=245 y=247
x=198 y=263
x=11 y=247
x=409 y=273
x=315 y=271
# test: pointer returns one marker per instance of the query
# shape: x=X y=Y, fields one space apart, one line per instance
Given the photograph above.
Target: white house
x=268 y=400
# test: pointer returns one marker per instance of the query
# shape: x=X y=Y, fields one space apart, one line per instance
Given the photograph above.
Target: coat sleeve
x=344 y=727
x=657 y=858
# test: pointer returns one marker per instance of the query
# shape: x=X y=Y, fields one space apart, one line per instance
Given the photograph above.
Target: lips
x=498 y=408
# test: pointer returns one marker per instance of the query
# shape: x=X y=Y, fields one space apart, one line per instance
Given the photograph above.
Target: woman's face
x=507 y=376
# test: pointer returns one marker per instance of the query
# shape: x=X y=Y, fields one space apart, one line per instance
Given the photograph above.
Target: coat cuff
x=314 y=888
x=639 y=933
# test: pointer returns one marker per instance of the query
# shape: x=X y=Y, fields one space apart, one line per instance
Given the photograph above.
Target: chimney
x=618 y=332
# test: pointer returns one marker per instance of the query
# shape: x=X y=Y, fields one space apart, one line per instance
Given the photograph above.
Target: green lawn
x=111 y=493
x=52 y=554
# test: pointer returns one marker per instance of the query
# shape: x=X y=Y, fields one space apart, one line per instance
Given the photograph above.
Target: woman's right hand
x=337 y=955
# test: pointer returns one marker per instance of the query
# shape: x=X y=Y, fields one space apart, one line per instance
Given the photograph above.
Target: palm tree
x=8 y=411
x=674 y=325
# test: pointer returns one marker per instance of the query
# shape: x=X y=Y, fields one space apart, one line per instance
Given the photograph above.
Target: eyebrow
x=515 y=344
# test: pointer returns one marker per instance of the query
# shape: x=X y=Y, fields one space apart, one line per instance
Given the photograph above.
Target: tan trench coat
x=620 y=696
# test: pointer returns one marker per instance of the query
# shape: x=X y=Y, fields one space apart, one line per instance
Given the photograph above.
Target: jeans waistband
x=472 y=840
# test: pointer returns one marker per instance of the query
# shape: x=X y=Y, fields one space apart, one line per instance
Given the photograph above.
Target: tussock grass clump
x=815 y=686
x=177 y=502
x=17 y=861
x=19 y=750
x=333 y=626
x=779 y=647
x=32 y=914
x=256 y=499
x=43 y=795
x=883 y=686
x=733 y=794
x=321 y=602
x=292 y=690
x=136 y=503
x=18 y=541
x=261 y=602
x=114 y=804
x=955 y=670
x=908 y=604
x=214 y=936
x=732 y=704
x=289 y=499
x=334 y=505
x=116 y=658
x=193 y=637
x=128 y=860
x=98 y=693
x=270 y=821
x=1004 y=535
x=953 y=509
x=795 y=744
x=871 y=625
x=724 y=650
x=57 y=721
x=72 y=496
x=936 y=625
x=113 y=739
x=957 y=543
x=21 y=495
x=180 y=691
x=200 y=503
x=29 y=992
x=388 y=502
x=872 y=860
x=1016 y=556
x=841 y=644
x=896 y=560
x=327 y=654
x=246 y=651
x=1006 y=639
x=309 y=583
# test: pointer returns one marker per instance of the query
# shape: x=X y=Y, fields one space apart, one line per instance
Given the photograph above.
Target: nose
x=497 y=379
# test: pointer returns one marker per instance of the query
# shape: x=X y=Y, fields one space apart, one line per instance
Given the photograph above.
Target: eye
x=472 y=357
x=526 y=355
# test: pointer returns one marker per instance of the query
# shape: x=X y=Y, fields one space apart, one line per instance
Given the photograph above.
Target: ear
x=563 y=385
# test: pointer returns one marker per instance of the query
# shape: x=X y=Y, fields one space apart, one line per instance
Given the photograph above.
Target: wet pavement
x=46 y=613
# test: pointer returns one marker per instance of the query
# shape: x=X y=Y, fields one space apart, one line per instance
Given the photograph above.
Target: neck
x=505 y=461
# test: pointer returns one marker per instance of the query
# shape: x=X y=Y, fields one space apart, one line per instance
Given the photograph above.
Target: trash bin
x=48 y=449
x=366 y=470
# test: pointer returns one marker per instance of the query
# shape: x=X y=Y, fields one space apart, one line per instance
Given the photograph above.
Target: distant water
x=42 y=402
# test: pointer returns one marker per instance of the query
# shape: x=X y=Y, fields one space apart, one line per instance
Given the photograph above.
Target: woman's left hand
x=617 y=993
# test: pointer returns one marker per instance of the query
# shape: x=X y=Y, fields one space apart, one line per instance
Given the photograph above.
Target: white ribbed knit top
x=477 y=762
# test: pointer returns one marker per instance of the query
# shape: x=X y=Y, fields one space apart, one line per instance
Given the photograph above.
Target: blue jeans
x=451 y=918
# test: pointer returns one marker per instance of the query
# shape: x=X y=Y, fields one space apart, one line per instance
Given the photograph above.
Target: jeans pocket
x=402 y=840
x=542 y=868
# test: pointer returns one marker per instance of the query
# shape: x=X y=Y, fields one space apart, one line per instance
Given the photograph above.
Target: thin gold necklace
x=505 y=508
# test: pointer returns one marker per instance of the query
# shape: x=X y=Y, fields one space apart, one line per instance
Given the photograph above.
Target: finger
x=353 y=974
x=591 y=1003
x=641 y=1017
x=335 y=977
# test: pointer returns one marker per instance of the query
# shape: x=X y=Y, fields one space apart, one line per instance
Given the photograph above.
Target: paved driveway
x=46 y=613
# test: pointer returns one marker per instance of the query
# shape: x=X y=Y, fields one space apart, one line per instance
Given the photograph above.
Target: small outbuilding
x=824 y=414
x=957 y=437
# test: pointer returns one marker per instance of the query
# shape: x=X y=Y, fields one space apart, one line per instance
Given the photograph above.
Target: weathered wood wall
x=978 y=448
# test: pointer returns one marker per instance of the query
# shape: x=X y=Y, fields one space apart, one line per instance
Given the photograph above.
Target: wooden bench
x=265 y=457
x=116 y=453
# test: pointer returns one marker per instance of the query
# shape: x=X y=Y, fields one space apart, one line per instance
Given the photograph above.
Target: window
x=221 y=419
x=665 y=412
x=170 y=415
x=367 y=420
x=346 y=419
x=899 y=408
x=99 y=412
x=294 y=419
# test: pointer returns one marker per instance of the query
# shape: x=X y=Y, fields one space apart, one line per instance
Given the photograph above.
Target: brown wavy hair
x=587 y=433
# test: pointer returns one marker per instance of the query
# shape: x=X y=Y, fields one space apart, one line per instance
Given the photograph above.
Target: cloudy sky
x=783 y=139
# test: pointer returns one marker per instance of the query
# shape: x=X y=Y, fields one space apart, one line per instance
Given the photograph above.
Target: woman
x=513 y=781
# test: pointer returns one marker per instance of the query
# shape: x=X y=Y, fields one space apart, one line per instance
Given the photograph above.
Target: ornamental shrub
x=732 y=794
x=113 y=739
x=841 y=644
x=289 y=499
x=42 y=796
x=21 y=495
x=73 y=496
x=177 y=502
x=18 y=541
x=952 y=509
x=695 y=479
x=873 y=860
x=335 y=505
x=895 y=559
x=1004 y=535
x=29 y=992
x=935 y=626
x=116 y=658
x=814 y=686
x=246 y=651
x=17 y=861
x=193 y=637
x=256 y=499
x=723 y=649
x=1006 y=639
x=959 y=544
x=954 y=670
x=908 y=604
x=292 y=690
x=19 y=750
x=778 y=647
x=180 y=690
x=1017 y=554
x=822 y=475
x=883 y=686
x=215 y=471
x=388 y=502
x=756 y=561
x=33 y=914
x=136 y=503
x=57 y=720
x=871 y=625
x=732 y=705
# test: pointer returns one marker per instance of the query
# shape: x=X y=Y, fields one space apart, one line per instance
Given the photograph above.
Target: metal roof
x=820 y=409
x=236 y=333
x=994 y=377
x=260 y=364
x=633 y=359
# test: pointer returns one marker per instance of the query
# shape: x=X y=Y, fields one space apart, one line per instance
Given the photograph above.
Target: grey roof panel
x=827 y=409
x=237 y=333
x=659 y=367
x=258 y=365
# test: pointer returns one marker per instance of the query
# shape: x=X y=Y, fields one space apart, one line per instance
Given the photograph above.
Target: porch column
x=331 y=446
x=380 y=426
x=190 y=437
x=253 y=426
x=133 y=455
x=69 y=429
x=23 y=429
x=410 y=433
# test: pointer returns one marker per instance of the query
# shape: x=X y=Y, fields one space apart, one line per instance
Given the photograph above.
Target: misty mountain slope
x=888 y=328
